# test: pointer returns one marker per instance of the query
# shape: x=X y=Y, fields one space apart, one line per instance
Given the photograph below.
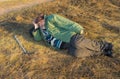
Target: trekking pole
x=17 y=40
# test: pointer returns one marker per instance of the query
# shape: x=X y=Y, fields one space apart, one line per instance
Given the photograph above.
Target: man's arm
x=65 y=24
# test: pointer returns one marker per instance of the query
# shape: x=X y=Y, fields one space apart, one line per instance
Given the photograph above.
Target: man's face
x=41 y=23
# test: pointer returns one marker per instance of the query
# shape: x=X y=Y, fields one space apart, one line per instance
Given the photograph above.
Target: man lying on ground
x=63 y=33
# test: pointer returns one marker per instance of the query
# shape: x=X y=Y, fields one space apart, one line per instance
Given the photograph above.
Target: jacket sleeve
x=65 y=24
x=36 y=34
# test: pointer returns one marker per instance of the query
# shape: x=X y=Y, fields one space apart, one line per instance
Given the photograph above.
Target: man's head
x=39 y=18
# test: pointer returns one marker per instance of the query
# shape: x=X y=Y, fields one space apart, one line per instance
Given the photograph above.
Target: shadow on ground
x=115 y=29
x=19 y=29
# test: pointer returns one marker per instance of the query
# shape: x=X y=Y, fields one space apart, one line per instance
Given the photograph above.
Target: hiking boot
x=108 y=53
x=107 y=49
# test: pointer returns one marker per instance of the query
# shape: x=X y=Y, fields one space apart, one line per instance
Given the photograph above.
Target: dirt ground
x=7 y=9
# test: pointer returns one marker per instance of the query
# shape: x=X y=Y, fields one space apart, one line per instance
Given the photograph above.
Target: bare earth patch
x=16 y=6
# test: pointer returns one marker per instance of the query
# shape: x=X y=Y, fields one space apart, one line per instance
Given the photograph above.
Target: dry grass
x=97 y=17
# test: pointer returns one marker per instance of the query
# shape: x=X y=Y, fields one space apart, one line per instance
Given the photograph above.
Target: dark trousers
x=83 y=47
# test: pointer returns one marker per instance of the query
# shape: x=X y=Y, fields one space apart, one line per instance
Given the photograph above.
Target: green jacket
x=59 y=27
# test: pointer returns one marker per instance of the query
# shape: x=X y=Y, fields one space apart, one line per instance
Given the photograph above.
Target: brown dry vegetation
x=101 y=20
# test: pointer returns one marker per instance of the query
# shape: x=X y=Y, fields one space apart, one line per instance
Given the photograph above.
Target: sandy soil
x=7 y=9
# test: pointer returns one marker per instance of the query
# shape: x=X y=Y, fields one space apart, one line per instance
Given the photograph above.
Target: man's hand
x=35 y=25
x=81 y=32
